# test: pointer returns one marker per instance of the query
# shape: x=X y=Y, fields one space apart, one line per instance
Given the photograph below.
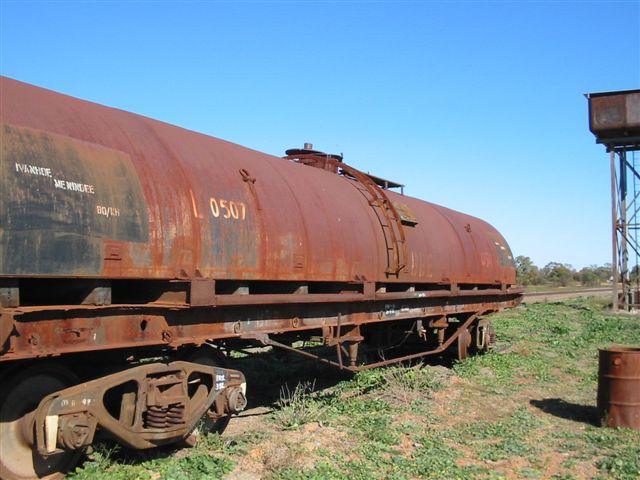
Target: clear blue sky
x=474 y=105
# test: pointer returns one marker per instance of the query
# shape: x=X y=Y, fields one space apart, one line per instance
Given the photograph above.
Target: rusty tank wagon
x=135 y=254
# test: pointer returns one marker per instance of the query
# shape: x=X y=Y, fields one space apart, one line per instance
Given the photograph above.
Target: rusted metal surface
x=46 y=416
x=19 y=398
x=123 y=196
x=124 y=234
x=459 y=334
x=614 y=119
x=269 y=299
x=390 y=221
x=619 y=387
x=314 y=158
x=42 y=333
x=614 y=116
x=124 y=218
x=157 y=404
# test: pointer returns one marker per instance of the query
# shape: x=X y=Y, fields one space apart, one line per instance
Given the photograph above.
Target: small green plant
x=366 y=381
x=619 y=450
x=297 y=407
x=111 y=462
x=406 y=385
x=377 y=428
x=197 y=465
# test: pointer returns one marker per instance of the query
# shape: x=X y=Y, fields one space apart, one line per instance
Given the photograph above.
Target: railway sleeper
x=142 y=407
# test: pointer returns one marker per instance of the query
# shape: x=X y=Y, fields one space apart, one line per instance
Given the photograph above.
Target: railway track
x=555 y=295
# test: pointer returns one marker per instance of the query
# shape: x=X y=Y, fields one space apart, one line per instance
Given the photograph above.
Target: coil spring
x=163 y=417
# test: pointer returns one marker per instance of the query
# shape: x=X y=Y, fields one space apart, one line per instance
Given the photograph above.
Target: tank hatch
x=331 y=162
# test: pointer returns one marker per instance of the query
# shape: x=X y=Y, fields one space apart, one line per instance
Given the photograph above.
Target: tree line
x=560 y=274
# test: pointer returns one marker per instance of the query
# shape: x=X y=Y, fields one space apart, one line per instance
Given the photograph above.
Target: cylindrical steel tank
x=92 y=191
x=619 y=387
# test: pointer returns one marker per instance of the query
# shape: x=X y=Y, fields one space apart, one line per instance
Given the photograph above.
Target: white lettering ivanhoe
x=57 y=183
x=228 y=209
x=33 y=170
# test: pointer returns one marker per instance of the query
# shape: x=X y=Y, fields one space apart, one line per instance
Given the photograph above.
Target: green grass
x=203 y=462
x=560 y=289
x=525 y=410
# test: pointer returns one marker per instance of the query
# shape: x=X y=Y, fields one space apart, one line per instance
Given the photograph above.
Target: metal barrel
x=619 y=387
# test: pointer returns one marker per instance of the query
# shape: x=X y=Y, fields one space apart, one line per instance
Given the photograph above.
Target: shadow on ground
x=268 y=374
x=570 y=411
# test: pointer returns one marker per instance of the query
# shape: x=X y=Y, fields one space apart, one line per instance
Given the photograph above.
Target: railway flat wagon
x=135 y=255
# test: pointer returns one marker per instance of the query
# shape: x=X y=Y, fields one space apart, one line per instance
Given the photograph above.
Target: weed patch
x=199 y=464
x=297 y=407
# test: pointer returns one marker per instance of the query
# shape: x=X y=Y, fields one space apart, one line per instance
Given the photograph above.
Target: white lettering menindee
x=57 y=183
x=73 y=186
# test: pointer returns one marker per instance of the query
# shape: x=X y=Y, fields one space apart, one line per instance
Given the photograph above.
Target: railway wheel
x=211 y=421
x=20 y=396
x=463 y=344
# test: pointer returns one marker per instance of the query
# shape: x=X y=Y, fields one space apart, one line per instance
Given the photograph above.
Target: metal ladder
x=388 y=217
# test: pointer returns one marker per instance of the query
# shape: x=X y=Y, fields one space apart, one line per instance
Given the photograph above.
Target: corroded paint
x=298 y=222
x=619 y=387
x=60 y=199
x=117 y=230
x=38 y=332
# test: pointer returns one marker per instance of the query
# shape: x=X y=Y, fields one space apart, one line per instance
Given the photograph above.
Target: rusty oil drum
x=619 y=387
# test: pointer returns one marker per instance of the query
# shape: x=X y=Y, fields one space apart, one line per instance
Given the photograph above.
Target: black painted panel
x=59 y=199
